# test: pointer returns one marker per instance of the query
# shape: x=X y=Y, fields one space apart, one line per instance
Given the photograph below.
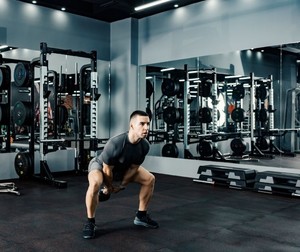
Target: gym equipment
x=205 y=87
x=62 y=115
x=205 y=115
x=24 y=165
x=149 y=112
x=149 y=88
x=172 y=115
x=240 y=178
x=238 y=146
x=262 y=143
x=261 y=92
x=103 y=196
x=5 y=77
x=4 y=114
x=22 y=113
x=238 y=92
x=238 y=115
x=23 y=75
x=278 y=183
x=263 y=115
x=9 y=187
x=170 y=87
x=170 y=150
x=205 y=148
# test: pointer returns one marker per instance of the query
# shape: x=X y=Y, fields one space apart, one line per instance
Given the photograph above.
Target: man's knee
x=151 y=179
x=95 y=178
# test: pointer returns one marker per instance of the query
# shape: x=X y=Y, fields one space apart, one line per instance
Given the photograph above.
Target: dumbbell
x=106 y=196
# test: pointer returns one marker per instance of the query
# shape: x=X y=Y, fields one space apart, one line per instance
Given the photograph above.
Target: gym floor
x=192 y=217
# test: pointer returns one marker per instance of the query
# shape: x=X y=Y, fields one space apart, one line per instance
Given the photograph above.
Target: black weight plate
x=238 y=146
x=169 y=87
x=238 y=92
x=261 y=92
x=22 y=75
x=4 y=114
x=24 y=164
x=205 y=148
x=238 y=115
x=171 y=115
x=22 y=113
x=170 y=150
x=205 y=115
x=4 y=77
x=205 y=88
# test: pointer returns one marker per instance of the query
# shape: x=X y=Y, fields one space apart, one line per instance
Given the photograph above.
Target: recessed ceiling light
x=34 y=2
x=63 y=8
x=176 y=5
x=151 y=4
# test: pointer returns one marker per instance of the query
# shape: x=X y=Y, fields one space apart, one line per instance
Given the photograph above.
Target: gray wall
x=213 y=27
x=124 y=72
x=26 y=25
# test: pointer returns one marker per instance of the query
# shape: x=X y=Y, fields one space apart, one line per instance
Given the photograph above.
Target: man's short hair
x=138 y=113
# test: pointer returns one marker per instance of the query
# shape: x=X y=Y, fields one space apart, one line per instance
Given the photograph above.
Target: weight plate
x=22 y=75
x=205 y=115
x=205 y=88
x=205 y=148
x=24 y=164
x=169 y=87
x=238 y=146
x=4 y=77
x=22 y=113
x=170 y=150
x=238 y=115
x=172 y=115
x=4 y=114
x=238 y=92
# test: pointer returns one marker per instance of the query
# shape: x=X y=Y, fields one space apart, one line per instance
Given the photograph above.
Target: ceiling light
x=34 y=2
x=148 y=5
x=176 y=5
x=63 y=8
x=3 y=47
x=167 y=69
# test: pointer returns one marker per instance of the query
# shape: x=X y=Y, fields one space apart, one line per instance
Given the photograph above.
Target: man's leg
x=95 y=178
x=147 y=182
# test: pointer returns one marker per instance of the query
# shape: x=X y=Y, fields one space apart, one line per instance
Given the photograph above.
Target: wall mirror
x=241 y=106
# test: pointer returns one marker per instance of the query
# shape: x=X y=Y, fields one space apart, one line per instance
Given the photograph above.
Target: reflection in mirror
x=240 y=106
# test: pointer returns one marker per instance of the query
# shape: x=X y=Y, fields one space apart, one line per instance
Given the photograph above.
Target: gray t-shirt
x=121 y=154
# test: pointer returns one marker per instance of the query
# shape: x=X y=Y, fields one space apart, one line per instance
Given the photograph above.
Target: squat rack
x=45 y=173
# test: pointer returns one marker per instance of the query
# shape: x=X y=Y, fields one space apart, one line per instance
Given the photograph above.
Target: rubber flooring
x=192 y=217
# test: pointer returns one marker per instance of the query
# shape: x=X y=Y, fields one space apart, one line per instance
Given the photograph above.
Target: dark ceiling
x=110 y=10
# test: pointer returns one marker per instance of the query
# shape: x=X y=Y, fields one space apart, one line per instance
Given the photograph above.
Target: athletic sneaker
x=89 y=230
x=145 y=221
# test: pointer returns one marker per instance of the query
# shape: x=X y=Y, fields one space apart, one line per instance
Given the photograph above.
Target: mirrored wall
x=241 y=106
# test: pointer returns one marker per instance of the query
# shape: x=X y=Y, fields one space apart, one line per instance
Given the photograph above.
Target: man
x=120 y=161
